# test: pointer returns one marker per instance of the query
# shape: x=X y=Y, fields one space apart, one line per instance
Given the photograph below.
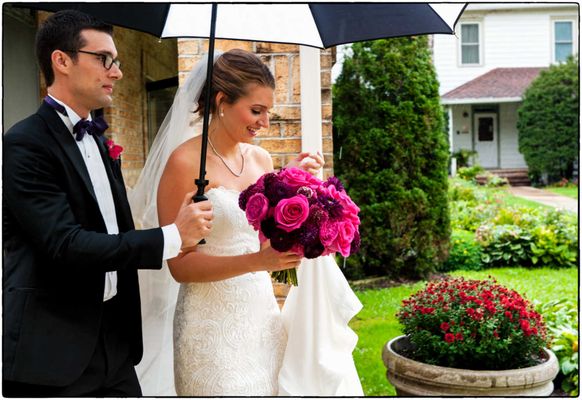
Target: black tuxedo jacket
x=57 y=251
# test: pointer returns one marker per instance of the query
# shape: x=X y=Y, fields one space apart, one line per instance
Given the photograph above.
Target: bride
x=228 y=336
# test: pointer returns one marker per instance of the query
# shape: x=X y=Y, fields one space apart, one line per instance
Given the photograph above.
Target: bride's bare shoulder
x=186 y=156
x=258 y=154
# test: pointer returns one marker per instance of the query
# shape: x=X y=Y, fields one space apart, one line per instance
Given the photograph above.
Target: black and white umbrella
x=319 y=25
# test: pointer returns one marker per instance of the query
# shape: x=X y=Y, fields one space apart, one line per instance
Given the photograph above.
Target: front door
x=485 y=139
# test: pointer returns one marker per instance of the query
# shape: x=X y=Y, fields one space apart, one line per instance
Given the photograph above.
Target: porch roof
x=500 y=85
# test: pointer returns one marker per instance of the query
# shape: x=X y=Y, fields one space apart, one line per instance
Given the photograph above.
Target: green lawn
x=565 y=191
x=376 y=323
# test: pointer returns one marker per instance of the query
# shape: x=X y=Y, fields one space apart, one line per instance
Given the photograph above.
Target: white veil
x=157 y=288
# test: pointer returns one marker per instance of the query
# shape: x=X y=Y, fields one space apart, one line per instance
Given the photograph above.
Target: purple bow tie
x=96 y=127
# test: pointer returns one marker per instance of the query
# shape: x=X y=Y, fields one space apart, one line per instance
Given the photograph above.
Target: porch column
x=451 y=130
x=310 y=72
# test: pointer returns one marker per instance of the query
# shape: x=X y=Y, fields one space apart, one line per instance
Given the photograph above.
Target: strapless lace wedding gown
x=228 y=335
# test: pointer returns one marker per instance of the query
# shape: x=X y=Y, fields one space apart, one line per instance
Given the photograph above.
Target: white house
x=499 y=49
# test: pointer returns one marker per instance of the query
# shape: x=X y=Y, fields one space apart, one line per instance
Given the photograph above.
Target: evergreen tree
x=391 y=152
x=548 y=122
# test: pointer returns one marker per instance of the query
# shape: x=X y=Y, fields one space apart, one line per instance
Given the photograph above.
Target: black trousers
x=110 y=372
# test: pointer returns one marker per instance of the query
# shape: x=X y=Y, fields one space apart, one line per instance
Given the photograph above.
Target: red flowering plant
x=472 y=324
x=298 y=212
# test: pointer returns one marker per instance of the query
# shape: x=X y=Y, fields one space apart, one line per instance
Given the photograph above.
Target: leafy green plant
x=463 y=156
x=492 y=180
x=473 y=324
x=561 y=318
x=503 y=245
x=465 y=253
x=470 y=173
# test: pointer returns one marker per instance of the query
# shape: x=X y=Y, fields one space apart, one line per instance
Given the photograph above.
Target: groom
x=71 y=305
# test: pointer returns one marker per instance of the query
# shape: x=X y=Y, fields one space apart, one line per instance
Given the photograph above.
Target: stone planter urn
x=413 y=378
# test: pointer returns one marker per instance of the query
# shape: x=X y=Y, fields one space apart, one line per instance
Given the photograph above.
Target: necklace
x=224 y=162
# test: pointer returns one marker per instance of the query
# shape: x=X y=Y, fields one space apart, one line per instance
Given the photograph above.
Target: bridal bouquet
x=300 y=213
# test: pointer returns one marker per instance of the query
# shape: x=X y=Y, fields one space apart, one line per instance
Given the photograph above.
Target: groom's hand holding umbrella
x=194 y=221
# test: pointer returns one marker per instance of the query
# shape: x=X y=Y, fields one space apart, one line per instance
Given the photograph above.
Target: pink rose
x=350 y=209
x=257 y=207
x=291 y=213
x=328 y=233
x=346 y=232
x=296 y=178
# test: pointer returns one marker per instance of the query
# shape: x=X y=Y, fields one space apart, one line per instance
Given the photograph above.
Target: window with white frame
x=563 y=40
x=470 y=44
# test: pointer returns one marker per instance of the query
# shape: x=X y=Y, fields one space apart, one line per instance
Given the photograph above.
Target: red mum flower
x=445 y=327
x=449 y=338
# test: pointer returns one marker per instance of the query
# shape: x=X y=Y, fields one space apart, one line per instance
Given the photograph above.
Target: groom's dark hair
x=62 y=31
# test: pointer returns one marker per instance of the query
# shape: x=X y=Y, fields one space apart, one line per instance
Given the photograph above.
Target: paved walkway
x=545 y=197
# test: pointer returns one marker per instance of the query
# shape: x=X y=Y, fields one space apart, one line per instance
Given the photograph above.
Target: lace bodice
x=228 y=335
x=231 y=233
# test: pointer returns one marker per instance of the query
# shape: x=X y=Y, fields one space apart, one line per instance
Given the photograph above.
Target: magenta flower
x=291 y=213
x=296 y=178
x=256 y=210
x=115 y=150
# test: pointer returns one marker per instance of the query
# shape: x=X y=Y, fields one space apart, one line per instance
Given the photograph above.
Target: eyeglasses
x=106 y=59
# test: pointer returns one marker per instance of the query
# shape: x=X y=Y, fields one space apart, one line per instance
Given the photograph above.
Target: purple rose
x=268 y=226
x=276 y=189
x=283 y=241
x=296 y=178
x=314 y=250
x=257 y=207
x=291 y=213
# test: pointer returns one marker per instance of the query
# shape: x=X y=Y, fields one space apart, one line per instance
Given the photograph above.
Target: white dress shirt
x=92 y=157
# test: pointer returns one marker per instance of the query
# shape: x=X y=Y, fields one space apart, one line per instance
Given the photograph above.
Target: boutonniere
x=115 y=150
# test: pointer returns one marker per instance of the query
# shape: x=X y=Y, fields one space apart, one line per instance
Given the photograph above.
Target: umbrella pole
x=201 y=182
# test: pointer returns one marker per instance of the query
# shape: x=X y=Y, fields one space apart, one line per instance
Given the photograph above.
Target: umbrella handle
x=201 y=183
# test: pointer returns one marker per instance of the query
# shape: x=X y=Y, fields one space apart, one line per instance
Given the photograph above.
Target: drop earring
x=221 y=113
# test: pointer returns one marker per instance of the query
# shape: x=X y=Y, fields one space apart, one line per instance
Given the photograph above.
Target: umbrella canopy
x=318 y=25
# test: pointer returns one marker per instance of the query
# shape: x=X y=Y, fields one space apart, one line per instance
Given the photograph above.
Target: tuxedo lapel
x=113 y=168
x=65 y=139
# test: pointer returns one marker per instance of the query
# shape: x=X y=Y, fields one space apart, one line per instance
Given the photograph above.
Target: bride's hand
x=312 y=165
x=273 y=260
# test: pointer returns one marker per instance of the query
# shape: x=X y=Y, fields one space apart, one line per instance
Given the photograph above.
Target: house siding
x=510 y=157
x=462 y=128
x=511 y=37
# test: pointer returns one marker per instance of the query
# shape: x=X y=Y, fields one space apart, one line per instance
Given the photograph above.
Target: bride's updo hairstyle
x=233 y=72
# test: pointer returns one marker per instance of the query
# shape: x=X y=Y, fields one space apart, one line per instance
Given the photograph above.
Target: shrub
x=390 y=151
x=473 y=324
x=548 y=122
x=470 y=173
x=561 y=317
x=465 y=252
x=491 y=180
x=463 y=156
